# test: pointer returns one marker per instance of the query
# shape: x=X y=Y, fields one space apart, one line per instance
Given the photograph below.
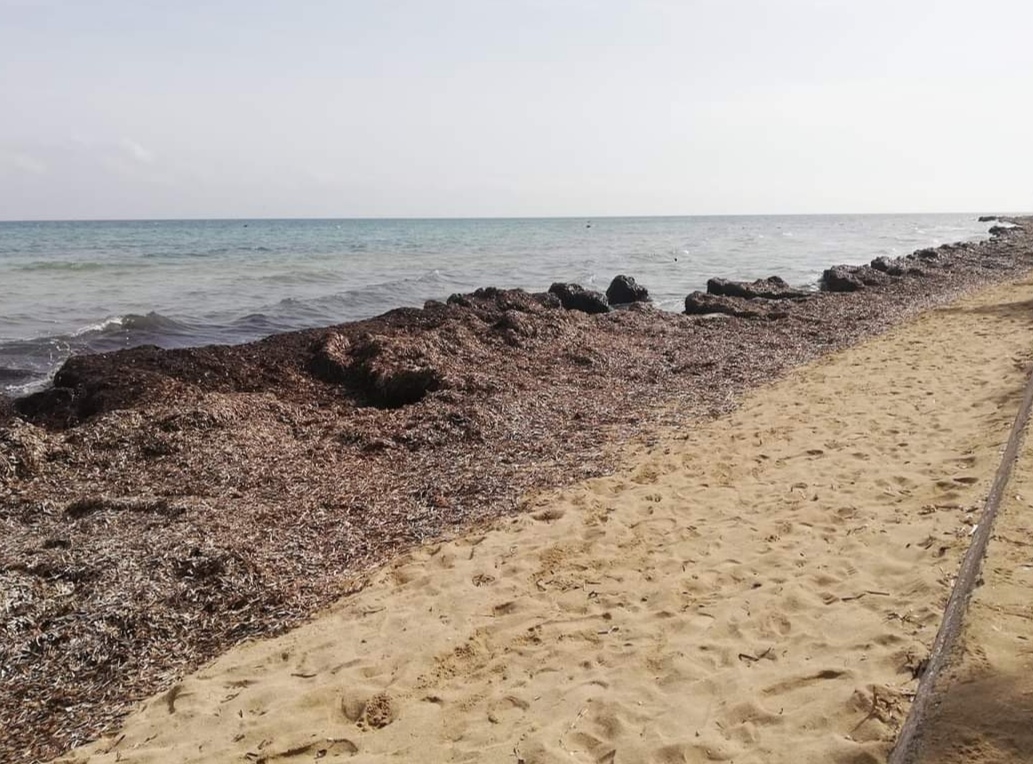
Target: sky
x=119 y=109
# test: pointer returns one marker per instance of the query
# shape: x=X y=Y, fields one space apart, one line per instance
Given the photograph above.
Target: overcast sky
x=420 y=108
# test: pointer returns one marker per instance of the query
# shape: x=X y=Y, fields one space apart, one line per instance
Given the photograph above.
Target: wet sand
x=761 y=587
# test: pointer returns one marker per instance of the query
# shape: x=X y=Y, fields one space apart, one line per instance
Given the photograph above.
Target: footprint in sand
x=368 y=711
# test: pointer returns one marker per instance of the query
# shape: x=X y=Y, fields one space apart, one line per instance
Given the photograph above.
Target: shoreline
x=227 y=509
x=38 y=346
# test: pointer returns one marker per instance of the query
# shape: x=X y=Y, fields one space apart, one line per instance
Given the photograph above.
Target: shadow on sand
x=981 y=720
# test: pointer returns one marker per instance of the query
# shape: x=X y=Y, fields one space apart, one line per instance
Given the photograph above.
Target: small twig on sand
x=871 y=713
x=866 y=591
x=754 y=658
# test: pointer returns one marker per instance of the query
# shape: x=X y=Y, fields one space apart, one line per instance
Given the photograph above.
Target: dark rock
x=871 y=277
x=1002 y=230
x=926 y=254
x=987 y=218
x=547 y=300
x=893 y=266
x=702 y=304
x=576 y=297
x=624 y=290
x=851 y=278
x=771 y=288
x=840 y=279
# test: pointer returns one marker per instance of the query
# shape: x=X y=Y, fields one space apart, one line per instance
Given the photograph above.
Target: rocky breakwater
x=772 y=298
x=158 y=506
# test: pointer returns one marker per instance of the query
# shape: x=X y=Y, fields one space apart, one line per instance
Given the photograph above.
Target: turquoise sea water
x=72 y=287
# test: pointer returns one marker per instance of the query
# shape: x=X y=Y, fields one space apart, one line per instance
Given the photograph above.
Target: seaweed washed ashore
x=159 y=506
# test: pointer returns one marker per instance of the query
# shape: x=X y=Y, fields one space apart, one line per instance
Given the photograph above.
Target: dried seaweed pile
x=157 y=507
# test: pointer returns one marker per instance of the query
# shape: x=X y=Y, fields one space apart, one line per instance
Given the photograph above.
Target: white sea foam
x=99 y=326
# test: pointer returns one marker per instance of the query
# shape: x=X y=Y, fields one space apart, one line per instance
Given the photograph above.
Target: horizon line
x=588 y=218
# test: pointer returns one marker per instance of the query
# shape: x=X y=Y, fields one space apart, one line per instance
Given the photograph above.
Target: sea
x=86 y=287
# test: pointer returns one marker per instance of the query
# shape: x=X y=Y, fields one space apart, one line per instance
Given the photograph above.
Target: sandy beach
x=159 y=507
x=758 y=588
